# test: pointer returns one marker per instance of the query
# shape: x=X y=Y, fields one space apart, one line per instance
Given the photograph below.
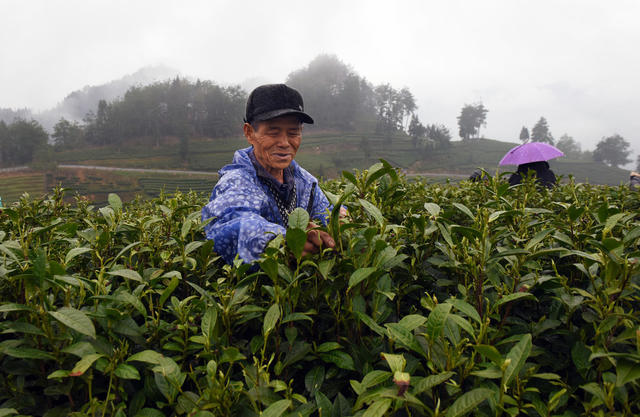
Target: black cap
x=274 y=100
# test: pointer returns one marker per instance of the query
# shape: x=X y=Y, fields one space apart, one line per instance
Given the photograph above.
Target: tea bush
x=477 y=298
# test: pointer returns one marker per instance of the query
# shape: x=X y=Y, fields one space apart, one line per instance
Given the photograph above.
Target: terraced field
x=12 y=186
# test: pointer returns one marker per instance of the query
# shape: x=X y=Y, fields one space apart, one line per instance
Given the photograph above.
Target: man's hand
x=316 y=240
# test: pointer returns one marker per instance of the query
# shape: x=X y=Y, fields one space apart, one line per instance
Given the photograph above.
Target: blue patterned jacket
x=245 y=214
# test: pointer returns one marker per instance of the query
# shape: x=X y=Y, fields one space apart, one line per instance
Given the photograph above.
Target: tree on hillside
x=613 y=151
x=168 y=108
x=569 y=147
x=408 y=106
x=20 y=140
x=67 y=134
x=638 y=164
x=439 y=135
x=4 y=142
x=417 y=131
x=524 y=134
x=541 y=132
x=392 y=106
x=472 y=117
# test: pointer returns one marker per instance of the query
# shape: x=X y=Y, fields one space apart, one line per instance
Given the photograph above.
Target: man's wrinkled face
x=275 y=142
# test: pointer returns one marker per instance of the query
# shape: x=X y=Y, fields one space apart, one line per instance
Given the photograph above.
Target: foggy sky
x=574 y=62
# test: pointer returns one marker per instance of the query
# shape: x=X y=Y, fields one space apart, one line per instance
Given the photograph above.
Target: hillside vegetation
x=328 y=154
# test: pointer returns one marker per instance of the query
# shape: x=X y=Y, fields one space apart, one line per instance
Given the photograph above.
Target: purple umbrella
x=530 y=152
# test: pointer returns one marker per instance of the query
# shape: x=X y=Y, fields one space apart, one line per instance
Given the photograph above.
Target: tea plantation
x=439 y=300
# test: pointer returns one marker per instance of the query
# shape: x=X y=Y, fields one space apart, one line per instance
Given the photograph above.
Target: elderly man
x=255 y=194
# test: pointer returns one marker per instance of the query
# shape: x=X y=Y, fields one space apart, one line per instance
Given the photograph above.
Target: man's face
x=275 y=142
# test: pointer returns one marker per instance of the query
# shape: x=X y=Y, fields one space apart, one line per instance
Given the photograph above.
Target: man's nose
x=282 y=140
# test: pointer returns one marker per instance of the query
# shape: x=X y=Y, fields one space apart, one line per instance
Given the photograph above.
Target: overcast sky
x=575 y=62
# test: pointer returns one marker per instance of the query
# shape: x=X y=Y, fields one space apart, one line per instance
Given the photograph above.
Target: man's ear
x=248 y=132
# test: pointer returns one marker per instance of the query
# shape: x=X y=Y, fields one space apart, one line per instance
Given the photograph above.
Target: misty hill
x=9 y=115
x=77 y=104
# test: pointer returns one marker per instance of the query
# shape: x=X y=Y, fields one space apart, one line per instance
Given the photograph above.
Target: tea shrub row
x=449 y=300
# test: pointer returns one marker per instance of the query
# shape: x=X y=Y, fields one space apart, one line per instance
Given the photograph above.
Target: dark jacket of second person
x=544 y=175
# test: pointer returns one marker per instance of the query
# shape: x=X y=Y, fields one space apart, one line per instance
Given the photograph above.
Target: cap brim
x=304 y=117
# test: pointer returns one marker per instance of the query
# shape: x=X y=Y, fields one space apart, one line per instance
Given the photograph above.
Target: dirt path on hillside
x=14 y=169
x=155 y=171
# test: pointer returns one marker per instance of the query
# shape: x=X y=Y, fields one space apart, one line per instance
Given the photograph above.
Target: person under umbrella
x=532 y=156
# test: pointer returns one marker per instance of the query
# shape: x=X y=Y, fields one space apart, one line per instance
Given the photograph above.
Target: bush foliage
x=437 y=300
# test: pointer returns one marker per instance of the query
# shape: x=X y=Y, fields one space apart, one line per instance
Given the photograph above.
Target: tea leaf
x=125 y=371
x=276 y=409
x=611 y=222
x=76 y=320
x=340 y=359
x=208 y=323
x=296 y=317
x=436 y=320
x=85 y=363
x=626 y=371
x=396 y=362
x=468 y=401
x=7 y=411
x=191 y=246
x=465 y=210
x=512 y=297
x=296 y=238
x=376 y=171
x=518 y=355
x=270 y=319
x=349 y=176
x=173 y=284
x=412 y=321
x=431 y=381
x=370 y=323
x=27 y=353
x=404 y=337
x=75 y=252
x=378 y=408
x=359 y=275
x=374 y=378
x=231 y=354
x=127 y=273
x=373 y=211
x=432 y=208
x=462 y=323
x=313 y=379
x=114 y=201
x=299 y=219
x=5 y=308
x=490 y=353
x=595 y=390
x=149 y=412
x=60 y=373
x=325 y=266
x=185 y=228
x=148 y=356
x=466 y=308
x=323 y=404
x=537 y=239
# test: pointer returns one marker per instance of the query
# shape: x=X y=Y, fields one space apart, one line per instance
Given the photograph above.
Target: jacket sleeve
x=238 y=228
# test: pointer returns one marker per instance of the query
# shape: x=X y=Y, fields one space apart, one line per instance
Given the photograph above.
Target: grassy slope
x=13 y=185
x=327 y=154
